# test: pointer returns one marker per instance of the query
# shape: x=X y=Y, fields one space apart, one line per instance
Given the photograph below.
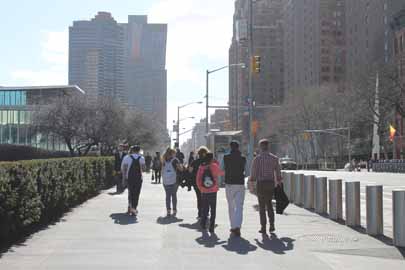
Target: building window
x=13 y=98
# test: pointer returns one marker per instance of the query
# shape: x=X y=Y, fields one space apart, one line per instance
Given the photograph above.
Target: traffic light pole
x=178 y=127
x=332 y=132
x=207 y=127
x=250 y=99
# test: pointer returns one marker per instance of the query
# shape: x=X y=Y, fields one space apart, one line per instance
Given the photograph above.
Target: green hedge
x=33 y=193
x=12 y=152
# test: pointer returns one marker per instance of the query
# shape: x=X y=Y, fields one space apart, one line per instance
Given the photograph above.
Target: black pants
x=120 y=182
x=265 y=192
x=199 y=204
x=157 y=175
x=134 y=190
x=209 y=204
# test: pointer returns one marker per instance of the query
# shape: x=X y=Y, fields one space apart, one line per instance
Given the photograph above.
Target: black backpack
x=208 y=180
x=134 y=172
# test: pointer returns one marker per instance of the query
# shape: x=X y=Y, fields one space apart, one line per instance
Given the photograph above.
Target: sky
x=34 y=44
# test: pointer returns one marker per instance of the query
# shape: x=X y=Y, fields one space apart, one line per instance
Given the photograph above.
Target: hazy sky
x=34 y=44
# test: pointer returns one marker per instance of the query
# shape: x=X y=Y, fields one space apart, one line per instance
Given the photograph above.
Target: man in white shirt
x=132 y=167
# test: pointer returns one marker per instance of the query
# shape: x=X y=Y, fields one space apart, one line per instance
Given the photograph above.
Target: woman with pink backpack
x=207 y=183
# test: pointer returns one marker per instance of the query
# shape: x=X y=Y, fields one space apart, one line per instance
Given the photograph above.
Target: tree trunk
x=69 y=145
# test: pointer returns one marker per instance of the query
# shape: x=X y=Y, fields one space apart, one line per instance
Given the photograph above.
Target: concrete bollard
x=352 y=191
x=309 y=190
x=335 y=199
x=284 y=175
x=299 y=189
x=287 y=184
x=321 y=195
x=398 y=207
x=374 y=209
x=291 y=191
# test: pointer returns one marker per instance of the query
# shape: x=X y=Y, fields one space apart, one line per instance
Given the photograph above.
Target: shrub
x=33 y=193
x=12 y=152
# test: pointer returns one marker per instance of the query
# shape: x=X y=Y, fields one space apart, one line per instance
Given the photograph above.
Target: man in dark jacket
x=119 y=156
x=234 y=164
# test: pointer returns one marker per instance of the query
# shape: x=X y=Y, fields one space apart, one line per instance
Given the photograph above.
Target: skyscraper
x=123 y=60
x=314 y=38
x=145 y=65
x=369 y=35
x=96 y=56
x=268 y=85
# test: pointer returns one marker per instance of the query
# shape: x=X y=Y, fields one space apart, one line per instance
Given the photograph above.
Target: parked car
x=288 y=163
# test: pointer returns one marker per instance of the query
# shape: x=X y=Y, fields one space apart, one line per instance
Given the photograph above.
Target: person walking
x=171 y=166
x=180 y=156
x=265 y=174
x=148 y=162
x=234 y=165
x=193 y=169
x=118 y=157
x=207 y=182
x=132 y=167
x=190 y=158
x=157 y=168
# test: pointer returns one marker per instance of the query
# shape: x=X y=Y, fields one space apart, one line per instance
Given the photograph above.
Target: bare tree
x=142 y=128
x=83 y=124
x=315 y=108
x=63 y=118
x=103 y=125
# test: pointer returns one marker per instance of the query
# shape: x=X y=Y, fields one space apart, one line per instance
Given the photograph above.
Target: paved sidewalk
x=98 y=235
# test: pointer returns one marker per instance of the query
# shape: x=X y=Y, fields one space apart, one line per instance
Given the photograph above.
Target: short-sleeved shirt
x=128 y=161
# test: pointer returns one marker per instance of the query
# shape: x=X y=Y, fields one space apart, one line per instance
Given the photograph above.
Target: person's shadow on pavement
x=239 y=245
x=275 y=244
x=123 y=219
x=209 y=240
x=195 y=226
x=168 y=220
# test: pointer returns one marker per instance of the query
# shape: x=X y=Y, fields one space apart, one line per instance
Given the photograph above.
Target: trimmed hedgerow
x=33 y=193
x=12 y=152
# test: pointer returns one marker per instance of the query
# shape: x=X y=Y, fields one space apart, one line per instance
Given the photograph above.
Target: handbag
x=282 y=200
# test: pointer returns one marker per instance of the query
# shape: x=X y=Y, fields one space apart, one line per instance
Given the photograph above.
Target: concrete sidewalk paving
x=99 y=235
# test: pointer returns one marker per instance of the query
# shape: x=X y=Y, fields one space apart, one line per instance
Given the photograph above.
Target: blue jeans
x=171 y=196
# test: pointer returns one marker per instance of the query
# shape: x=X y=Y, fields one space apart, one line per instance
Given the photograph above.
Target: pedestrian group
x=202 y=174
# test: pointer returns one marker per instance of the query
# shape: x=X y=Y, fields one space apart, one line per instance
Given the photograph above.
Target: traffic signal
x=255 y=127
x=256 y=63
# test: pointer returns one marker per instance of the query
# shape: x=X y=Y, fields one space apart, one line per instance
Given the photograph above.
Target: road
x=390 y=182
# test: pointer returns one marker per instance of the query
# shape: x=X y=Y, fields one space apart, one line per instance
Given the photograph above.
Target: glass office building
x=17 y=105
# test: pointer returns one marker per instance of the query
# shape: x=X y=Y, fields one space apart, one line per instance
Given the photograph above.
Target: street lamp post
x=179 y=120
x=207 y=106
